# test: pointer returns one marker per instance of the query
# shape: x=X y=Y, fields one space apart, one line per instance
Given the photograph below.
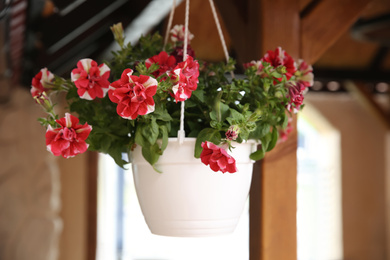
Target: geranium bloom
x=91 y=79
x=40 y=83
x=177 y=34
x=185 y=76
x=217 y=158
x=165 y=62
x=280 y=57
x=67 y=140
x=305 y=73
x=133 y=94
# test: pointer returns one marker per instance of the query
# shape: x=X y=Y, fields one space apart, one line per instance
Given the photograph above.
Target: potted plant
x=132 y=104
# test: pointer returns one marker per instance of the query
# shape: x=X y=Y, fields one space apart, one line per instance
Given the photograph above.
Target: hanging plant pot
x=188 y=198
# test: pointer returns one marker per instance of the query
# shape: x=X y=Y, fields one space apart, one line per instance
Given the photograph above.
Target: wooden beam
x=236 y=21
x=325 y=23
x=365 y=98
x=279 y=23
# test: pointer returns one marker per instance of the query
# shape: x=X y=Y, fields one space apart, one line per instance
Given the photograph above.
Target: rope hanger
x=181 y=132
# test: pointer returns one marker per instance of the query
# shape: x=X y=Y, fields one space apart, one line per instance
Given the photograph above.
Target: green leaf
x=150 y=131
x=164 y=137
x=207 y=134
x=220 y=111
x=258 y=155
x=265 y=141
x=162 y=115
x=117 y=156
x=275 y=74
x=285 y=120
x=151 y=153
x=274 y=139
x=139 y=138
x=199 y=94
x=105 y=143
x=236 y=116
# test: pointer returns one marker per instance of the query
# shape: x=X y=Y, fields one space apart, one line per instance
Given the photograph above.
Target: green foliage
x=254 y=104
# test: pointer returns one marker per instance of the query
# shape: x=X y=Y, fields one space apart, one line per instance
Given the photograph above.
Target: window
x=319 y=220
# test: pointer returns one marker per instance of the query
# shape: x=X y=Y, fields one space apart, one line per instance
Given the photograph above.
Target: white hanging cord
x=169 y=23
x=220 y=33
x=187 y=15
x=181 y=133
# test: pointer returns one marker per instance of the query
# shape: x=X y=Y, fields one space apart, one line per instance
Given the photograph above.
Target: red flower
x=186 y=76
x=217 y=158
x=305 y=74
x=134 y=95
x=280 y=57
x=40 y=83
x=178 y=52
x=91 y=79
x=295 y=93
x=165 y=62
x=69 y=139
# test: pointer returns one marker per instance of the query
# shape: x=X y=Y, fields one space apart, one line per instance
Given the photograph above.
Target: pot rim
x=193 y=139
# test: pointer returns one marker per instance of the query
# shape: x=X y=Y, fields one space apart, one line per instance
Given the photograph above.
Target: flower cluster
x=301 y=71
x=134 y=100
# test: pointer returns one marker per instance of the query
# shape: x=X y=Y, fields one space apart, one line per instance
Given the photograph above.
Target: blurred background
x=85 y=207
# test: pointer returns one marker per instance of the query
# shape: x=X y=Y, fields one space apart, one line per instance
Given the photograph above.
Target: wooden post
x=268 y=25
x=274 y=187
x=92 y=193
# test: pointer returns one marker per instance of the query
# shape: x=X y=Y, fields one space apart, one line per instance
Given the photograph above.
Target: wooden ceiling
x=352 y=54
x=60 y=32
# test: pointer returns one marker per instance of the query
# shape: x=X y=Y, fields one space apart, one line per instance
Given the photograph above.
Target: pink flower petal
x=67 y=140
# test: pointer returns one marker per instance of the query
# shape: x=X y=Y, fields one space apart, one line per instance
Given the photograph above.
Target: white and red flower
x=295 y=94
x=304 y=74
x=217 y=158
x=133 y=94
x=279 y=57
x=232 y=133
x=257 y=64
x=178 y=34
x=90 y=79
x=67 y=140
x=41 y=83
x=185 y=75
x=165 y=62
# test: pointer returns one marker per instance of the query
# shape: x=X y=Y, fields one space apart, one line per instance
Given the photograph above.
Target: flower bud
x=278 y=94
x=232 y=132
x=44 y=101
x=117 y=30
x=281 y=69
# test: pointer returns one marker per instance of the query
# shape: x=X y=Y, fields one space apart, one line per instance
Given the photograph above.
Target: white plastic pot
x=188 y=199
